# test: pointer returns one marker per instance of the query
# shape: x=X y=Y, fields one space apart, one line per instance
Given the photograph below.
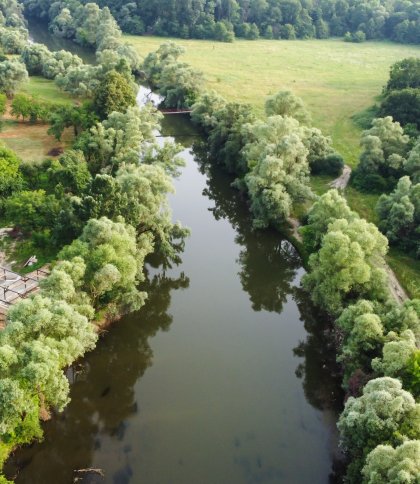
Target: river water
x=224 y=377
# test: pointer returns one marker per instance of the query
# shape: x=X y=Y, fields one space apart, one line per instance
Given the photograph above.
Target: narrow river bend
x=223 y=377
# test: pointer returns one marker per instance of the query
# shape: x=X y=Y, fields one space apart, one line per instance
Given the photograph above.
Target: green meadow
x=336 y=79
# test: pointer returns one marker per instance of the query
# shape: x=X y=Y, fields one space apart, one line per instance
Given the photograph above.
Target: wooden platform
x=14 y=287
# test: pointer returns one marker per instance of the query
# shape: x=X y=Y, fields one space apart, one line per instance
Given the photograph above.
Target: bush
x=331 y=165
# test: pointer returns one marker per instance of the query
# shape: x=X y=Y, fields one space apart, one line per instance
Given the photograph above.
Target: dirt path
x=342 y=181
x=295 y=224
x=395 y=288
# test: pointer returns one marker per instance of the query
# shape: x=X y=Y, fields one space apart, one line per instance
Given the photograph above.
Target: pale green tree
x=400 y=465
x=412 y=164
x=144 y=189
x=278 y=169
x=103 y=244
x=363 y=337
x=205 y=108
x=396 y=354
x=13 y=74
x=327 y=208
x=348 y=265
x=122 y=138
x=285 y=103
x=399 y=214
x=384 y=414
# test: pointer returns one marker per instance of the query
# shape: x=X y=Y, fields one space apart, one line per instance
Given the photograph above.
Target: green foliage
x=114 y=93
x=329 y=207
x=122 y=138
x=77 y=117
x=177 y=82
x=12 y=75
x=398 y=351
x=356 y=37
x=384 y=414
x=226 y=138
x=71 y=172
x=10 y=177
x=394 y=466
x=284 y=19
x=13 y=40
x=399 y=214
x=385 y=147
x=412 y=164
x=411 y=374
x=403 y=106
x=31 y=210
x=114 y=262
x=285 y=103
x=3 y=103
x=28 y=107
x=278 y=169
x=348 y=265
x=404 y=74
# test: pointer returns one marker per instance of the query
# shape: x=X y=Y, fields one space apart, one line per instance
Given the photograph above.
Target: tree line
x=377 y=340
x=95 y=28
x=225 y=19
x=102 y=208
x=390 y=158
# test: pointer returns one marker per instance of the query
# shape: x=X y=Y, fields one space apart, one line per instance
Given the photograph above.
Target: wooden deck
x=14 y=287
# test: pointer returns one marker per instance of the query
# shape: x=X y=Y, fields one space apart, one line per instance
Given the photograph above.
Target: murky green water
x=224 y=377
x=39 y=33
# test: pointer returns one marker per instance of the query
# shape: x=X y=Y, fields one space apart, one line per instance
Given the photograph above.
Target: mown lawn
x=46 y=90
x=31 y=142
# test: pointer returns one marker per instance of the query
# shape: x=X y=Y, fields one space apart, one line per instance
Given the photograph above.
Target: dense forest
x=286 y=19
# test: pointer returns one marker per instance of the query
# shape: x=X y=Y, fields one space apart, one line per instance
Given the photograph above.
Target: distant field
x=31 y=142
x=335 y=79
x=46 y=90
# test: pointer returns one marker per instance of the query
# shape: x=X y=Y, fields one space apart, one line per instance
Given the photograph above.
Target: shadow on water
x=268 y=263
x=252 y=389
x=39 y=33
x=102 y=393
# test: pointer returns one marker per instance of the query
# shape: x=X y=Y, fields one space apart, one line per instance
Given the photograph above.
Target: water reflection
x=39 y=33
x=103 y=398
x=269 y=264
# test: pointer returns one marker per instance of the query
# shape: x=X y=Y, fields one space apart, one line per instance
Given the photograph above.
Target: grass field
x=31 y=142
x=46 y=90
x=336 y=79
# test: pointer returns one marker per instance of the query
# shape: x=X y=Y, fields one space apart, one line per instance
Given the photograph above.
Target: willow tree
x=348 y=265
x=384 y=414
x=285 y=103
x=278 y=174
x=393 y=465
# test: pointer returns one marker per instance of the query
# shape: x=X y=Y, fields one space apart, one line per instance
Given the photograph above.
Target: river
x=223 y=377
